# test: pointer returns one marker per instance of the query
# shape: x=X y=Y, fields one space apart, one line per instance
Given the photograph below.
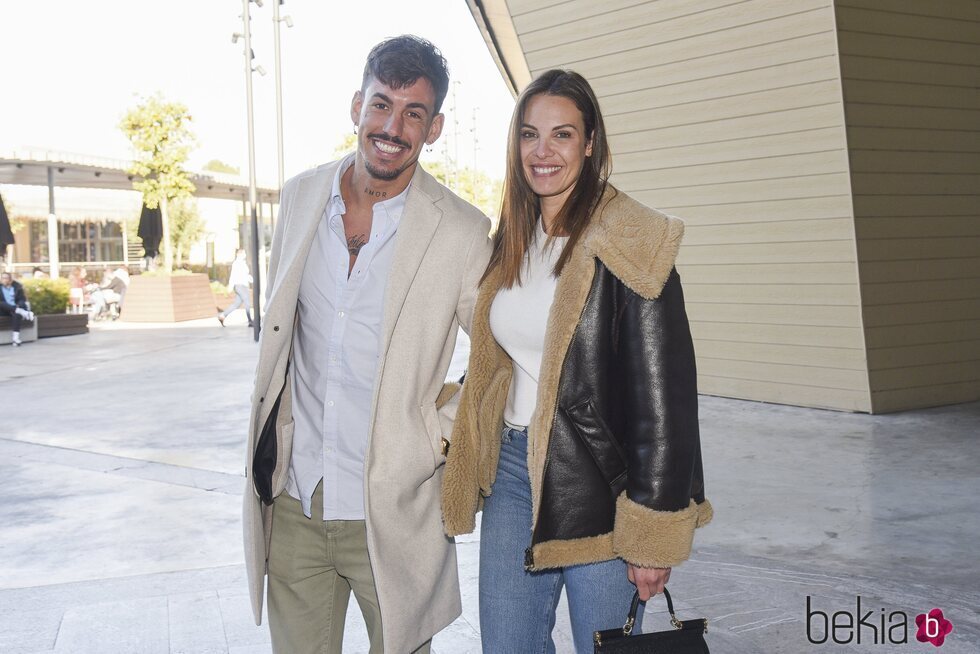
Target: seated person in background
x=13 y=303
x=110 y=292
x=76 y=296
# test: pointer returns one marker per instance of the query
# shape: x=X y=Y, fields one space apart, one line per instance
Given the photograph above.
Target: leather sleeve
x=656 y=515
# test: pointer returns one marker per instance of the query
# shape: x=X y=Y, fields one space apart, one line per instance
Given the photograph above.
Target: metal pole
x=275 y=21
x=53 y=254
x=256 y=291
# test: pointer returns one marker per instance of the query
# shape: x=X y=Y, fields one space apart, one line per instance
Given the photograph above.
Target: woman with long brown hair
x=577 y=430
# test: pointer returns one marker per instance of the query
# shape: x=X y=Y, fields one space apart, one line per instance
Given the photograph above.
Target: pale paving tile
x=135 y=627
x=195 y=624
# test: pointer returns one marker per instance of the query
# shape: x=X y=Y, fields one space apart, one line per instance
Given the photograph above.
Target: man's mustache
x=384 y=136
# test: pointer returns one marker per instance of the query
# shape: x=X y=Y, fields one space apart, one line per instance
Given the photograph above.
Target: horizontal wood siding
x=728 y=114
x=910 y=74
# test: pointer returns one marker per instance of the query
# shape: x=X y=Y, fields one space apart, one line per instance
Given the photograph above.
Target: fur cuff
x=656 y=539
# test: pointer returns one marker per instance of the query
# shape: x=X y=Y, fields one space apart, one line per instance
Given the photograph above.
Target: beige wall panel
x=917 y=398
x=892 y=249
x=790 y=231
x=795 y=394
x=819 y=357
x=963 y=9
x=809 y=315
x=777 y=273
x=917 y=226
x=919 y=206
x=568 y=44
x=918 y=355
x=628 y=136
x=890 y=138
x=537 y=15
x=917 y=49
x=895 y=70
x=923 y=311
x=739 y=333
x=789 y=252
x=874 y=272
x=778 y=294
x=820 y=69
x=851 y=380
x=600 y=18
x=766 y=211
x=861 y=114
x=638 y=69
x=916 y=184
x=883 y=161
x=928 y=95
x=922 y=334
x=684 y=39
x=887 y=22
x=934 y=290
x=773 y=100
x=809 y=141
x=928 y=375
x=797 y=165
x=767 y=189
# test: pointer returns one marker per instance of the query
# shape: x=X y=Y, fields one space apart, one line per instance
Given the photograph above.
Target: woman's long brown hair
x=520 y=206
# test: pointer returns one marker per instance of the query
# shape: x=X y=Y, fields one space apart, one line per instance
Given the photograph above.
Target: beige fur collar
x=638 y=244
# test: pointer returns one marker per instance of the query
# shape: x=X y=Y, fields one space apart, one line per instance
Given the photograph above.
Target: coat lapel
x=418 y=225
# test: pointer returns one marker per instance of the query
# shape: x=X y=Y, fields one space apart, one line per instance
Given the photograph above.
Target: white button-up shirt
x=335 y=356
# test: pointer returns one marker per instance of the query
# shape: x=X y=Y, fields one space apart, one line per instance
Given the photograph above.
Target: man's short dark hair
x=400 y=61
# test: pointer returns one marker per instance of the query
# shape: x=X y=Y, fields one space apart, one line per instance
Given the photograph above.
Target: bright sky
x=71 y=68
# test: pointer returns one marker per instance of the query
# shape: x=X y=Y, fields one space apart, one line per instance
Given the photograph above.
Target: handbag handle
x=631 y=618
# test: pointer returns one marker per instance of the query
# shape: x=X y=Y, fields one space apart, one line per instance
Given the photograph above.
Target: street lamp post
x=249 y=55
x=276 y=20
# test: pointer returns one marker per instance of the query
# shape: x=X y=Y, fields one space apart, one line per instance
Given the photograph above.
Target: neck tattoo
x=355 y=243
x=375 y=194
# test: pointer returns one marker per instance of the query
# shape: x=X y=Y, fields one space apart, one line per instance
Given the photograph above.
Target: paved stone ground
x=123 y=453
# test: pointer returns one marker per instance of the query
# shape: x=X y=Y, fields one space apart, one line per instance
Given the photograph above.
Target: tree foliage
x=162 y=139
x=218 y=166
x=186 y=226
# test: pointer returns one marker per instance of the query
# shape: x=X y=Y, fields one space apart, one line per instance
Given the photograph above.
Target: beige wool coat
x=441 y=250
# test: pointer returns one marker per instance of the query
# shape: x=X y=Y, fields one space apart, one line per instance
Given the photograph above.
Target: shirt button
x=340 y=313
x=330 y=403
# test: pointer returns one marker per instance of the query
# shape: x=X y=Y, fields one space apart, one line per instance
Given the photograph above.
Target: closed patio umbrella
x=6 y=234
x=150 y=230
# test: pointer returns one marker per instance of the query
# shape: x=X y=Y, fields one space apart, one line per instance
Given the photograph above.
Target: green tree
x=217 y=166
x=186 y=226
x=474 y=186
x=162 y=139
x=344 y=146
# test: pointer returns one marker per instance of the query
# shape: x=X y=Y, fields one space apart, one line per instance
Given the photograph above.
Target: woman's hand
x=648 y=581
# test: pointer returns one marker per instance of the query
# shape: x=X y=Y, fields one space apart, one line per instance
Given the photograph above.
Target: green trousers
x=313 y=567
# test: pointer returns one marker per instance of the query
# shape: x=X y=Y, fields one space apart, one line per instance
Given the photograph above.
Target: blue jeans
x=517 y=608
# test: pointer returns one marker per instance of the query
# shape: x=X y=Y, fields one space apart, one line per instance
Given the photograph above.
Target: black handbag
x=686 y=637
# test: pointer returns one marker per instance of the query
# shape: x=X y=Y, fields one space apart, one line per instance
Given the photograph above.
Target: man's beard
x=381 y=173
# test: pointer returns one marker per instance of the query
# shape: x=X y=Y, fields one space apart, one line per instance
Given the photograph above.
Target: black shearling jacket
x=614 y=454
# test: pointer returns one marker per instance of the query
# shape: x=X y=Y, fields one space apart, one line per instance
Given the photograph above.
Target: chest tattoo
x=355 y=243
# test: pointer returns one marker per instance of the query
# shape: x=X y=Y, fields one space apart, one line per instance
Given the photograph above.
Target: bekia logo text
x=873 y=627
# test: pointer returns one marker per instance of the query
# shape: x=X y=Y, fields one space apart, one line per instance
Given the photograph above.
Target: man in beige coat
x=346 y=438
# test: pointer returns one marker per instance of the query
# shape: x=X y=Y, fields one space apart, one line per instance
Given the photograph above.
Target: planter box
x=28 y=331
x=152 y=298
x=62 y=324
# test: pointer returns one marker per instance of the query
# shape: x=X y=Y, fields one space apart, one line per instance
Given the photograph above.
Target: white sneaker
x=15 y=339
x=25 y=314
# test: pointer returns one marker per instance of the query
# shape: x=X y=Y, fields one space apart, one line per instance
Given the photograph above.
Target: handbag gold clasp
x=628 y=627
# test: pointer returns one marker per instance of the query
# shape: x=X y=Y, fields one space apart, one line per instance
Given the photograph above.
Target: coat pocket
x=433 y=428
x=601 y=444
